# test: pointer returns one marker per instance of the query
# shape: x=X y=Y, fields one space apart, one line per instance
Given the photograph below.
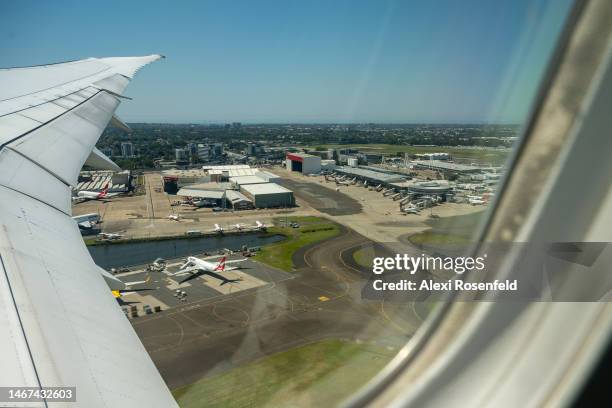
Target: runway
x=322 y=299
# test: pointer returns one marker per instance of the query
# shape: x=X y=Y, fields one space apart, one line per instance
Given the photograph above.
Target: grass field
x=315 y=375
x=481 y=155
x=364 y=257
x=312 y=229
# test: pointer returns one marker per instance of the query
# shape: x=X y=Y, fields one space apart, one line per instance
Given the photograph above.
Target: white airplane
x=159 y=264
x=72 y=103
x=175 y=217
x=195 y=267
x=411 y=210
x=129 y=290
x=238 y=227
x=476 y=201
x=87 y=221
x=94 y=195
x=218 y=229
x=109 y=236
x=260 y=226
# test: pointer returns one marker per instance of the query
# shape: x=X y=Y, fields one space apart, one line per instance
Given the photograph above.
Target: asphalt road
x=324 y=300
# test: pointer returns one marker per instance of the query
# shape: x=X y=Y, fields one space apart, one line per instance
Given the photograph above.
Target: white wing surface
x=60 y=324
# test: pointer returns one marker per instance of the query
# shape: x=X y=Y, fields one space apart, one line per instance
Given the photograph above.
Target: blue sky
x=304 y=61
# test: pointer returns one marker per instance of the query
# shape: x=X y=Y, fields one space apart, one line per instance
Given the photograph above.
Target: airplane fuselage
x=201 y=264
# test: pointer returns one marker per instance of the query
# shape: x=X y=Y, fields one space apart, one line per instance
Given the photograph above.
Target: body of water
x=138 y=253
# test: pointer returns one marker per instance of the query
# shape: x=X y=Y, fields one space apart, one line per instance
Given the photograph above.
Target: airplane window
x=277 y=182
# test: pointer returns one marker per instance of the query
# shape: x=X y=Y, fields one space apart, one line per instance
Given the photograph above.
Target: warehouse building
x=226 y=167
x=233 y=172
x=268 y=195
x=210 y=192
x=213 y=198
x=304 y=163
x=240 y=181
x=269 y=177
x=174 y=179
x=224 y=173
x=238 y=201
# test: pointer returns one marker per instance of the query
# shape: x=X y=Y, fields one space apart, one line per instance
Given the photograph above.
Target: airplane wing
x=192 y=269
x=60 y=324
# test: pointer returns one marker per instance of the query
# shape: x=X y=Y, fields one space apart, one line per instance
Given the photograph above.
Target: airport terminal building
x=373 y=177
x=446 y=167
x=419 y=188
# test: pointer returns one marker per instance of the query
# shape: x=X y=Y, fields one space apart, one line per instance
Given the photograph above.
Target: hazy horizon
x=304 y=62
x=221 y=123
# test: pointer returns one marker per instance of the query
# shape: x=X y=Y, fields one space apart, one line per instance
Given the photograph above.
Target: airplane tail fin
x=221 y=264
x=104 y=191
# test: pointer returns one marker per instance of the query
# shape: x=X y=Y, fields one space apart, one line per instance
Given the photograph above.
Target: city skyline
x=278 y=62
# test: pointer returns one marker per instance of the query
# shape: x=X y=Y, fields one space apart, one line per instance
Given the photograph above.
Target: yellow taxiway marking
x=323 y=298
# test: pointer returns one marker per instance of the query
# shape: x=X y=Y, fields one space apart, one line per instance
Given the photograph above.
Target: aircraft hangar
x=304 y=163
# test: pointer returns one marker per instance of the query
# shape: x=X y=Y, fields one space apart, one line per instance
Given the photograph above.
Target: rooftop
x=226 y=167
x=242 y=180
x=433 y=185
x=188 y=192
x=370 y=174
x=209 y=186
x=234 y=196
x=304 y=155
x=267 y=174
x=184 y=173
x=234 y=172
x=444 y=165
x=265 y=188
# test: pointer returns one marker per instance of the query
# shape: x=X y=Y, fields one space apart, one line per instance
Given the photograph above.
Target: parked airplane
x=476 y=201
x=218 y=229
x=260 y=226
x=158 y=265
x=411 y=210
x=87 y=221
x=238 y=227
x=94 y=195
x=197 y=267
x=119 y=293
x=175 y=217
x=109 y=236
